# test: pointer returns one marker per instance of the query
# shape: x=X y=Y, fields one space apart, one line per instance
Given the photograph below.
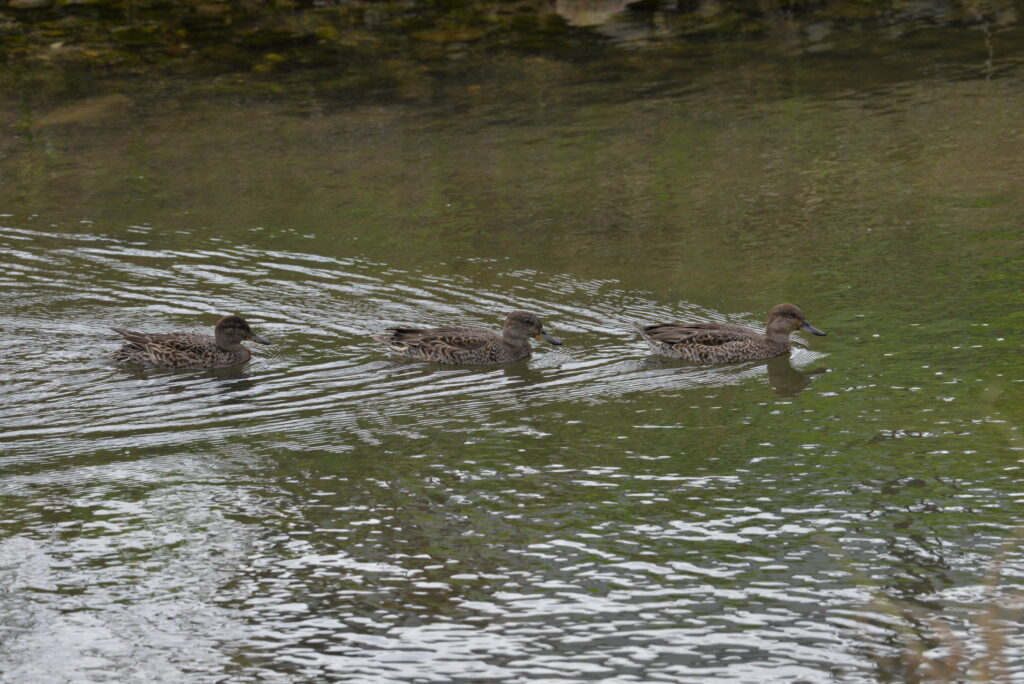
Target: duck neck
x=777 y=338
x=224 y=342
x=513 y=337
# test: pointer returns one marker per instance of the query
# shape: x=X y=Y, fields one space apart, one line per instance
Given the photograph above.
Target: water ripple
x=323 y=369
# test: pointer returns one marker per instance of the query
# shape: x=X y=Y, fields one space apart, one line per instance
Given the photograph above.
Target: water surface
x=330 y=512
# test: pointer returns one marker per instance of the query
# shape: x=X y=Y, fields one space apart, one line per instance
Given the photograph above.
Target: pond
x=329 y=512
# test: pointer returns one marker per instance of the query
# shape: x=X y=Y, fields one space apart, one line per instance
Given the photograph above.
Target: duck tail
x=138 y=339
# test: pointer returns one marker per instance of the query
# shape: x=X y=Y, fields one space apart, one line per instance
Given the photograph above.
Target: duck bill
x=542 y=335
x=264 y=340
x=811 y=329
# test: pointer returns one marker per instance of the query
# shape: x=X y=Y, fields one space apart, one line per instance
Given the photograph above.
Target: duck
x=723 y=342
x=189 y=350
x=457 y=345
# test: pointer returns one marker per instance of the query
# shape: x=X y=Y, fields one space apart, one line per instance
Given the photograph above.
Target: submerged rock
x=590 y=12
x=85 y=111
x=29 y=4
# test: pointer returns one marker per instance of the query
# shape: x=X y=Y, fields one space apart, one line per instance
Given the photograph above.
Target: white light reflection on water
x=330 y=512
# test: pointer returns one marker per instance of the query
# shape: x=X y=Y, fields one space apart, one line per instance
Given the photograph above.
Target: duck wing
x=444 y=345
x=136 y=339
x=172 y=350
x=706 y=334
x=451 y=339
x=177 y=340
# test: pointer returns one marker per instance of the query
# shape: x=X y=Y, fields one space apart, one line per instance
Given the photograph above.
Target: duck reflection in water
x=234 y=385
x=786 y=380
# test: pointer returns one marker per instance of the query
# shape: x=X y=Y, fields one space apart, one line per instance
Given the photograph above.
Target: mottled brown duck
x=724 y=342
x=469 y=345
x=190 y=350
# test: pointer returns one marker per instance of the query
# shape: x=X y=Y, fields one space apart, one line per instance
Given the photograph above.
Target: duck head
x=232 y=330
x=524 y=324
x=787 y=318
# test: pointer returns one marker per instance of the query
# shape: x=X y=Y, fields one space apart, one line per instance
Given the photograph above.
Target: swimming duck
x=190 y=350
x=469 y=345
x=722 y=342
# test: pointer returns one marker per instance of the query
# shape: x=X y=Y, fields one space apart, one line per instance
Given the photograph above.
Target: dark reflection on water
x=330 y=512
x=786 y=380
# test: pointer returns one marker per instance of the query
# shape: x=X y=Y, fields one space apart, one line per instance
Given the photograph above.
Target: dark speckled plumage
x=724 y=342
x=192 y=350
x=469 y=345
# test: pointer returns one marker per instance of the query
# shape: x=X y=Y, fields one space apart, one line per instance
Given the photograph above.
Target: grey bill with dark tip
x=554 y=340
x=811 y=329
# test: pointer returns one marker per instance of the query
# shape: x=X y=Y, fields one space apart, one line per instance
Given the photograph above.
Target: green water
x=328 y=512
